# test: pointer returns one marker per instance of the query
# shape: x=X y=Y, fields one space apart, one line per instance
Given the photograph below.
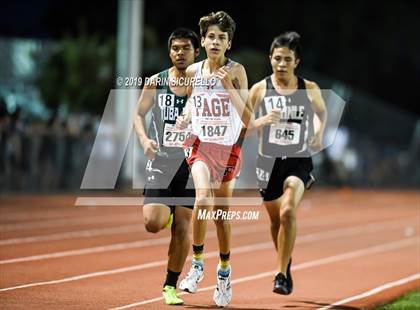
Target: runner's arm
x=235 y=82
x=318 y=105
x=184 y=119
x=144 y=104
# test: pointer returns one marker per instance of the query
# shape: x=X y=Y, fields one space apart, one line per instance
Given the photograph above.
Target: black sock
x=171 y=278
x=198 y=249
x=225 y=257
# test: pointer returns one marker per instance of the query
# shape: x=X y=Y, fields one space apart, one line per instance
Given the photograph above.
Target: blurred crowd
x=51 y=155
x=43 y=155
x=357 y=160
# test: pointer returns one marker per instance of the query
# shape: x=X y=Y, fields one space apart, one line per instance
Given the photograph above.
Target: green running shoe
x=171 y=298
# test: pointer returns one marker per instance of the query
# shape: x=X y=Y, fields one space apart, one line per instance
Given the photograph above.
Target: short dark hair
x=184 y=33
x=221 y=19
x=290 y=39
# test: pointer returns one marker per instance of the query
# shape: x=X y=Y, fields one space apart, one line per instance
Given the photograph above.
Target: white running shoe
x=194 y=276
x=223 y=292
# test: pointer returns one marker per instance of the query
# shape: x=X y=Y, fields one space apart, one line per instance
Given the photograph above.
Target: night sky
x=372 y=46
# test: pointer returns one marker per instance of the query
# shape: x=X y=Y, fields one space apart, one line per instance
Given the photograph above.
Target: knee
x=151 y=225
x=288 y=213
x=203 y=200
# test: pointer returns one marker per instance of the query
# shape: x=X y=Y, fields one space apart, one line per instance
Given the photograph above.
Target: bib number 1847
x=213 y=130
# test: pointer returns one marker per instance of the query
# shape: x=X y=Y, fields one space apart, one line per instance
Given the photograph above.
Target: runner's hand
x=224 y=75
x=182 y=121
x=150 y=148
x=272 y=118
x=316 y=143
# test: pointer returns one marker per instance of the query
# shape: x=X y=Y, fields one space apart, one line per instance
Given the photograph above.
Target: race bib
x=174 y=137
x=188 y=152
x=212 y=117
x=284 y=133
x=213 y=131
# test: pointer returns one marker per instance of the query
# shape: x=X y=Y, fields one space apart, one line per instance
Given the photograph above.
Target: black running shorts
x=272 y=172
x=168 y=182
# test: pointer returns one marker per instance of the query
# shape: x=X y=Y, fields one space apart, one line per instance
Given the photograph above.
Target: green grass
x=410 y=301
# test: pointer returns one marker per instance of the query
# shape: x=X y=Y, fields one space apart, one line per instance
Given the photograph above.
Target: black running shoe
x=289 y=276
x=281 y=285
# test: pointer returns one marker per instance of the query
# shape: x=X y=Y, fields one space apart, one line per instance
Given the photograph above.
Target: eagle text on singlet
x=214 y=118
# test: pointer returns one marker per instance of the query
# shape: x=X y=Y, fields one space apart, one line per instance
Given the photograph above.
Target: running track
x=355 y=250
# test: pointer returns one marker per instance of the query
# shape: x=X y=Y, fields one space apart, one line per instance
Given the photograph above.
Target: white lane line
x=124 y=246
x=370 y=228
x=53 y=223
x=313 y=222
x=76 y=234
x=32 y=215
x=248 y=248
x=315 y=263
x=89 y=275
x=138 y=201
x=374 y=291
x=65 y=222
x=243 y=249
x=99 y=249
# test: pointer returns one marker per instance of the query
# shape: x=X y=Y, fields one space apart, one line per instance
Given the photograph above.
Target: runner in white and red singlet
x=217 y=109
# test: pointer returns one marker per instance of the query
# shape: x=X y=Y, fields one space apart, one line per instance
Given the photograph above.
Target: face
x=182 y=53
x=216 y=42
x=284 y=62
